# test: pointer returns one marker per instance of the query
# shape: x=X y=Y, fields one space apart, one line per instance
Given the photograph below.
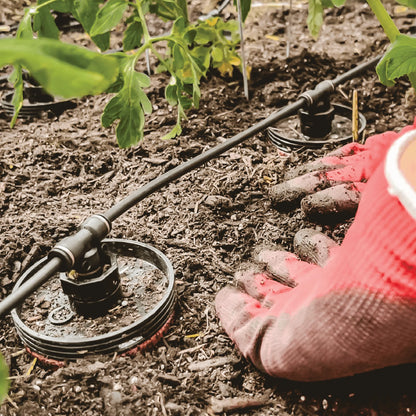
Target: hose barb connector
x=320 y=93
x=71 y=250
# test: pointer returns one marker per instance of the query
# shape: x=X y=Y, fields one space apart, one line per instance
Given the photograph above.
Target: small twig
x=18 y=353
x=193 y=349
x=12 y=402
x=212 y=363
x=162 y=404
x=237 y=403
x=354 y=116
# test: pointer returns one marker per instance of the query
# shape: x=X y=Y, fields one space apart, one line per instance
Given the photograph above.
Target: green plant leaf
x=25 y=31
x=4 y=379
x=44 y=24
x=399 y=60
x=245 y=8
x=408 y=3
x=169 y=9
x=17 y=80
x=315 y=17
x=171 y=93
x=133 y=35
x=85 y=11
x=129 y=106
x=176 y=131
x=204 y=35
x=108 y=17
x=64 y=70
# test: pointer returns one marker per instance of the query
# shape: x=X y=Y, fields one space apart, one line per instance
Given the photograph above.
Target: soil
x=57 y=171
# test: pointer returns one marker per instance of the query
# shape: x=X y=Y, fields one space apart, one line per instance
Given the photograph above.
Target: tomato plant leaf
x=169 y=9
x=176 y=131
x=108 y=17
x=204 y=35
x=245 y=8
x=44 y=24
x=25 y=30
x=64 y=70
x=4 y=379
x=399 y=60
x=133 y=35
x=129 y=107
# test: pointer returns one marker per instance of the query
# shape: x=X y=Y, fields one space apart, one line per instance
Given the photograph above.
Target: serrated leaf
x=133 y=35
x=108 y=17
x=64 y=70
x=128 y=106
x=399 y=60
x=315 y=17
x=4 y=380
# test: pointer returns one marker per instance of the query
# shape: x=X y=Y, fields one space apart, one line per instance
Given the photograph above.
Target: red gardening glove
x=333 y=184
x=354 y=313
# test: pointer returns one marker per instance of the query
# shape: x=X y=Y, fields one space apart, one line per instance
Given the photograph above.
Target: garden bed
x=56 y=172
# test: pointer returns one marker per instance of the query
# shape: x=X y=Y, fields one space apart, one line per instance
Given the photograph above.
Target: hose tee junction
x=89 y=277
x=316 y=119
x=94 y=287
x=71 y=250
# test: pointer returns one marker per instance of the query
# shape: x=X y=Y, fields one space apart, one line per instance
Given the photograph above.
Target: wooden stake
x=354 y=116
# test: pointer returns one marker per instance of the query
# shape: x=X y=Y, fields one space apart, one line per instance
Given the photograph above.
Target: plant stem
x=143 y=20
x=384 y=18
x=389 y=28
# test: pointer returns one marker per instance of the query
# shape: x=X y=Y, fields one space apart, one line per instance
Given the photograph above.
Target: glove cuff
x=399 y=185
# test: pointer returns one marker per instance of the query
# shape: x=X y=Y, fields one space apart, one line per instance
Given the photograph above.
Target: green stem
x=146 y=34
x=39 y=6
x=384 y=18
x=389 y=28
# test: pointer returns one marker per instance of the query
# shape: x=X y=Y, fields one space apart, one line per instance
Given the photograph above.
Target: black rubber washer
x=123 y=339
x=288 y=144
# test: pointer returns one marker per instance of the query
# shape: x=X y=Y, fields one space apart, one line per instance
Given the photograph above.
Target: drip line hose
x=72 y=249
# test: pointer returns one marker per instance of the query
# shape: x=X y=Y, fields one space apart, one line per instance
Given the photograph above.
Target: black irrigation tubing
x=94 y=229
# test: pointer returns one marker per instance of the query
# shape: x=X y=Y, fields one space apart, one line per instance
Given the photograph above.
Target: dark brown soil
x=55 y=172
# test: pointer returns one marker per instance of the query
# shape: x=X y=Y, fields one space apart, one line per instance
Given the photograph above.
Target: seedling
x=69 y=71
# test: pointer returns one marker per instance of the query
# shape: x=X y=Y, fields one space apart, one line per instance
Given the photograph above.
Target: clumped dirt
x=57 y=171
